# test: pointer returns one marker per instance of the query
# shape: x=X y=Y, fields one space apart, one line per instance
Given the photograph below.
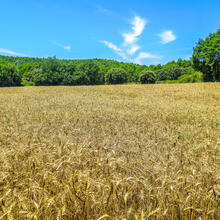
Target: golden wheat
x=110 y=152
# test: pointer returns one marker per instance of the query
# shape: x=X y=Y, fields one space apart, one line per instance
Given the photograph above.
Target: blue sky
x=140 y=31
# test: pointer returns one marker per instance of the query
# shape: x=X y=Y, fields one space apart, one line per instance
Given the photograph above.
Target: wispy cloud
x=138 y=25
x=67 y=48
x=132 y=50
x=167 y=37
x=116 y=49
x=144 y=55
x=12 y=52
x=112 y=46
x=129 y=46
x=103 y=10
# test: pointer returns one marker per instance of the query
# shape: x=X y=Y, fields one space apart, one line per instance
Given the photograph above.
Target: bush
x=171 y=73
x=167 y=82
x=116 y=76
x=147 y=77
x=191 y=78
x=27 y=83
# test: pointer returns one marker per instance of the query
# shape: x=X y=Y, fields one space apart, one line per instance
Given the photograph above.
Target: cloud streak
x=67 y=48
x=116 y=49
x=167 y=37
x=12 y=53
x=112 y=46
x=133 y=49
x=145 y=55
x=103 y=10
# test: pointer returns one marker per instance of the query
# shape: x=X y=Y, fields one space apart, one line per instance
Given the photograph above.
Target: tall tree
x=206 y=57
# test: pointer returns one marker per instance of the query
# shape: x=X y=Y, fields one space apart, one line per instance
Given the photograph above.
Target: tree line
x=204 y=65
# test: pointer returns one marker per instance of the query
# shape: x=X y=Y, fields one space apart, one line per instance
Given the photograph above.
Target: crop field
x=110 y=152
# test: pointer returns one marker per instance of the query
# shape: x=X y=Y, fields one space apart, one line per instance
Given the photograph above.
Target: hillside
x=16 y=71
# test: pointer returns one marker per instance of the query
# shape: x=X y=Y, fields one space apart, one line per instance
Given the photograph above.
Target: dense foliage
x=191 y=78
x=171 y=73
x=17 y=71
x=116 y=76
x=147 y=77
x=9 y=76
x=206 y=57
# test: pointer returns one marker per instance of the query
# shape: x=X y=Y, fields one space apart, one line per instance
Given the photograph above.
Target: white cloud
x=67 y=48
x=138 y=25
x=112 y=46
x=116 y=49
x=129 y=48
x=12 y=53
x=144 y=55
x=133 y=49
x=167 y=36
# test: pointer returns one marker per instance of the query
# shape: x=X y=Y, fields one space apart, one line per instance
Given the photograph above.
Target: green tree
x=80 y=78
x=116 y=76
x=92 y=72
x=9 y=75
x=38 y=77
x=206 y=57
x=147 y=77
x=191 y=77
x=171 y=73
x=67 y=72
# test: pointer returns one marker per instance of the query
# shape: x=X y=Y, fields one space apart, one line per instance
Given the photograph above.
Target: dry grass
x=110 y=152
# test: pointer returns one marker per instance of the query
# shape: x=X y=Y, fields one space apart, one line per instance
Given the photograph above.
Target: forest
x=204 y=65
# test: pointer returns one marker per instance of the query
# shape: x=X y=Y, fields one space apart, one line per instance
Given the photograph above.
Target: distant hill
x=15 y=71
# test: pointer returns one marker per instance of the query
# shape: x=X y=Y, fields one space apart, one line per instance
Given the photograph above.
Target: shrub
x=167 y=82
x=116 y=76
x=171 y=73
x=27 y=83
x=147 y=77
x=191 y=78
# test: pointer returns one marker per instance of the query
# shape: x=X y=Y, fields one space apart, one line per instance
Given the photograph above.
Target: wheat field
x=110 y=152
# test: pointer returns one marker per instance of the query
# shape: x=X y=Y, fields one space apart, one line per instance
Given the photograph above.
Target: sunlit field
x=110 y=152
